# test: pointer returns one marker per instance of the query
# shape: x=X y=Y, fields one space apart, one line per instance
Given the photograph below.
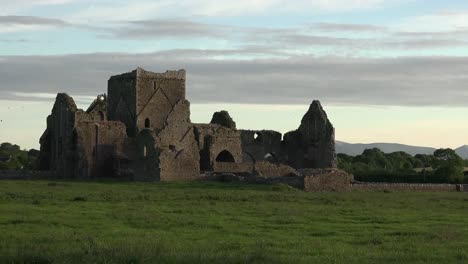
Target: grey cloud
x=416 y=44
x=148 y=29
x=31 y=21
x=348 y=27
x=412 y=81
x=280 y=39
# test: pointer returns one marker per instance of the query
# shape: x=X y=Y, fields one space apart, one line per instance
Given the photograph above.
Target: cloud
x=9 y=7
x=148 y=9
x=411 y=81
x=170 y=28
x=28 y=23
x=333 y=37
x=30 y=20
x=334 y=27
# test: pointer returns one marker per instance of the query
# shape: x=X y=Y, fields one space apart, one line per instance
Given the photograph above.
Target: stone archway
x=225 y=156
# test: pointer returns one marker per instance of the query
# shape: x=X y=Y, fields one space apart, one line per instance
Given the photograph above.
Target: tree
x=448 y=166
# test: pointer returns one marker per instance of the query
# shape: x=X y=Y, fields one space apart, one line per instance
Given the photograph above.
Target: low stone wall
x=25 y=175
x=272 y=170
x=319 y=180
x=233 y=167
x=408 y=187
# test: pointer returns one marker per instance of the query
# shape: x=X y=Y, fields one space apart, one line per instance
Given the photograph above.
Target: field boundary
x=25 y=175
x=414 y=187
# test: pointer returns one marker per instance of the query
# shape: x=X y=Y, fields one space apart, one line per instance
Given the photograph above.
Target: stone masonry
x=141 y=129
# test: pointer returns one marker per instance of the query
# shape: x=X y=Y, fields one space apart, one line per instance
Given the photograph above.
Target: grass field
x=109 y=222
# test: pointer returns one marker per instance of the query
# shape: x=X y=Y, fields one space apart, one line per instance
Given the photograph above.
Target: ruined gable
x=313 y=144
x=56 y=140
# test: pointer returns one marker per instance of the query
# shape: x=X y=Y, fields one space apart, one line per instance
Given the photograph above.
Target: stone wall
x=142 y=99
x=57 y=139
x=261 y=145
x=317 y=180
x=121 y=100
x=179 y=153
x=273 y=170
x=97 y=144
x=157 y=94
x=233 y=167
x=313 y=144
x=217 y=144
x=408 y=187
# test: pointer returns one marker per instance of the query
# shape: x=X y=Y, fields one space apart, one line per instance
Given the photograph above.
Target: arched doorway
x=147 y=123
x=225 y=156
x=102 y=117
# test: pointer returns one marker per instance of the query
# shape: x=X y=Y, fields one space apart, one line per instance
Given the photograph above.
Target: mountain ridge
x=354 y=149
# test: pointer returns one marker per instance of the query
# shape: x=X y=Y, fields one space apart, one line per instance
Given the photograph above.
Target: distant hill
x=357 y=149
x=462 y=151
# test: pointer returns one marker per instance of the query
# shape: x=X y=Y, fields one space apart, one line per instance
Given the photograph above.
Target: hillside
x=358 y=148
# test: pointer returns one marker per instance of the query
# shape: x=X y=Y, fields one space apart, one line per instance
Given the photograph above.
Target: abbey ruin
x=142 y=130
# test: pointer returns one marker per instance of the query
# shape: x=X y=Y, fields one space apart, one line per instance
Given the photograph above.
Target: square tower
x=142 y=99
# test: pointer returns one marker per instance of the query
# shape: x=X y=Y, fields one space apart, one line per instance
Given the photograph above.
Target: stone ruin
x=142 y=130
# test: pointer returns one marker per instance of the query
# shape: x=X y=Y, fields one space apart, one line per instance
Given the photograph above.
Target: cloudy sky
x=384 y=70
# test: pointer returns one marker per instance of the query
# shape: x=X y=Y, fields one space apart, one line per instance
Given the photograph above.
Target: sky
x=385 y=71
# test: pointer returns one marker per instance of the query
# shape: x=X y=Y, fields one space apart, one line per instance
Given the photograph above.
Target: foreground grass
x=77 y=222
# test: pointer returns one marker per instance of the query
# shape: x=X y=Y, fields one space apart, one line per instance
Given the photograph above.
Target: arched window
x=145 y=151
x=101 y=116
x=147 y=123
x=225 y=156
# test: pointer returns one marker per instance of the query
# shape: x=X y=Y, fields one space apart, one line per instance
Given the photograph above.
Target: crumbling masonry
x=142 y=130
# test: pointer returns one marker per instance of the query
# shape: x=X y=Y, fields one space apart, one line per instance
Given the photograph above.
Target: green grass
x=110 y=222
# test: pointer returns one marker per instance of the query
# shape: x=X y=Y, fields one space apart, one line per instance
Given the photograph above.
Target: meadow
x=207 y=222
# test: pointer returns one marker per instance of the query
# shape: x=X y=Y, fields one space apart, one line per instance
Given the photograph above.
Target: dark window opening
x=258 y=137
x=101 y=116
x=60 y=145
x=147 y=123
x=74 y=145
x=96 y=143
x=225 y=156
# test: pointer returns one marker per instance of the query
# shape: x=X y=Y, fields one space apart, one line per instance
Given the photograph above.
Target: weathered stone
x=142 y=99
x=313 y=144
x=223 y=118
x=220 y=148
x=142 y=130
x=317 y=180
x=258 y=145
x=272 y=170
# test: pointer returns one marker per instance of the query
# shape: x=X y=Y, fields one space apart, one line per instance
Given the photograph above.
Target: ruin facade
x=141 y=129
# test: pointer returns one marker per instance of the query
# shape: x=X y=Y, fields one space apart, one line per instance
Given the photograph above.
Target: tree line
x=13 y=158
x=373 y=165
